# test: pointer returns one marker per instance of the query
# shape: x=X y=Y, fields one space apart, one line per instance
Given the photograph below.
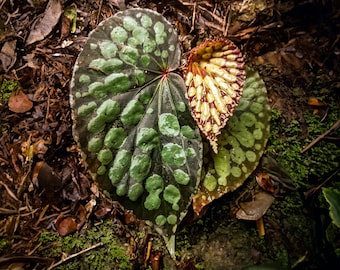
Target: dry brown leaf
x=270 y=58
x=67 y=226
x=313 y=101
x=19 y=103
x=256 y=208
x=45 y=177
x=8 y=55
x=39 y=147
x=42 y=27
x=264 y=181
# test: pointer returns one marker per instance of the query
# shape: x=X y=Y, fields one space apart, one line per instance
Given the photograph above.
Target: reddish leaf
x=264 y=181
x=313 y=101
x=214 y=81
x=66 y=226
x=19 y=103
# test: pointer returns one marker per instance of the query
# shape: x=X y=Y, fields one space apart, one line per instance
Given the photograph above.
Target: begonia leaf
x=240 y=145
x=132 y=119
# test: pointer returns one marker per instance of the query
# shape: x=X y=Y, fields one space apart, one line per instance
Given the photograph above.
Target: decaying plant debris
x=43 y=183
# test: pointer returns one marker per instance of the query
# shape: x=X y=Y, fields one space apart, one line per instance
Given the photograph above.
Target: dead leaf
x=44 y=177
x=31 y=61
x=263 y=179
x=19 y=103
x=44 y=26
x=102 y=211
x=120 y=4
x=82 y=215
x=129 y=217
x=39 y=147
x=270 y=58
x=313 y=101
x=256 y=208
x=66 y=226
x=292 y=60
x=90 y=205
x=278 y=175
x=103 y=208
x=8 y=55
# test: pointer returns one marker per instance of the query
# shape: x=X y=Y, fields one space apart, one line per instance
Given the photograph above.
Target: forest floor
x=52 y=215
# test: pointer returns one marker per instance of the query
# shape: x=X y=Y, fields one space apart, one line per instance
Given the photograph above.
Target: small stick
x=334 y=127
x=148 y=253
x=10 y=193
x=226 y=22
x=193 y=19
x=314 y=189
x=99 y=10
x=74 y=255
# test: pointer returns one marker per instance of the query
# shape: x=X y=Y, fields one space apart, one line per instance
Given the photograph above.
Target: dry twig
x=333 y=128
x=74 y=255
x=311 y=191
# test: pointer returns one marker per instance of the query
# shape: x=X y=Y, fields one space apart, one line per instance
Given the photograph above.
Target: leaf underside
x=132 y=120
x=214 y=79
x=241 y=145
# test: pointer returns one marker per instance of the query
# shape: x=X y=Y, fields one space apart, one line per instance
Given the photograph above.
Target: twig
x=2 y=3
x=311 y=191
x=23 y=258
x=10 y=193
x=334 y=127
x=148 y=253
x=74 y=255
x=226 y=22
x=41 y=215
x=193 y=19
x=99 y=11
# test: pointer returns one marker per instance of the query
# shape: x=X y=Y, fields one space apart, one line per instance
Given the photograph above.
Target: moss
x=3 y=245
x=112 y=255
x=46 y=237
x=7 y=87
x=286 y=143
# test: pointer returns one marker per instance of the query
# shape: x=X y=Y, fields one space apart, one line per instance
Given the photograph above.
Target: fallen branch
x=74 y=255
x=333 y=128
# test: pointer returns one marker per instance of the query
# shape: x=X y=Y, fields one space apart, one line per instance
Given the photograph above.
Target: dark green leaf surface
x=132 y=120
x=333 y=198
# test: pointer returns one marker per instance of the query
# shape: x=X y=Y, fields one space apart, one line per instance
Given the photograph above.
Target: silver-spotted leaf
x=214 y=79
x=241 y=145
x=132 y=119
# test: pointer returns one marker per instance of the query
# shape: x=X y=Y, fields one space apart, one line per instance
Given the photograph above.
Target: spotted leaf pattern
x=240 y=145
x=132 y=120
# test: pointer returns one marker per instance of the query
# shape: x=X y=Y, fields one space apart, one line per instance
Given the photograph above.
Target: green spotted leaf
x=240 y=145
x=132 y=120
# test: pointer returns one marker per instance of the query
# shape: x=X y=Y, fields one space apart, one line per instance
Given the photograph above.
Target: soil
x=44 y=186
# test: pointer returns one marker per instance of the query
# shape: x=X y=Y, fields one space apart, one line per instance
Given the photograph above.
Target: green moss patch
x=111 y=255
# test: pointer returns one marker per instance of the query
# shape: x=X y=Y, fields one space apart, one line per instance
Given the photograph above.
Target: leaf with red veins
x=214 y=83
